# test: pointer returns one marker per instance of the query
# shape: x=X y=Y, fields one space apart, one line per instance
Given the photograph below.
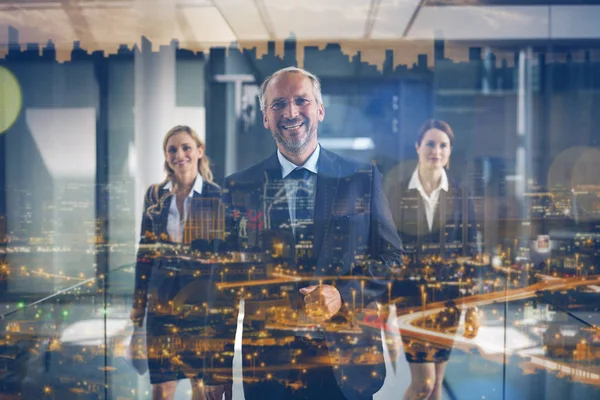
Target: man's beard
x=292 y=145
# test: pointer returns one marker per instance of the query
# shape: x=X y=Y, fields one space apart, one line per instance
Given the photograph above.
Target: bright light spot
x=11 y=99
x=91 y=332
x=359 y=143
x=496 y=261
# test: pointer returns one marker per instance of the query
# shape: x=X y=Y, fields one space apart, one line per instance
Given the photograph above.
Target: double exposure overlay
x=343 y=199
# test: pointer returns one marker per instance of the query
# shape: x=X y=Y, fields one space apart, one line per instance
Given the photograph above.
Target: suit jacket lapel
x=276 y=205
x=163 y=217
x=164 y=214
x=441 y=212
x=272 y=168
x=328 y=178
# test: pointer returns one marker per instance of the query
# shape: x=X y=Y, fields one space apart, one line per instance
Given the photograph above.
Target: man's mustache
x=294 y=121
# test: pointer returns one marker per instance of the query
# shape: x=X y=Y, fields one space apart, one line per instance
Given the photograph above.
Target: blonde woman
x=173 y=211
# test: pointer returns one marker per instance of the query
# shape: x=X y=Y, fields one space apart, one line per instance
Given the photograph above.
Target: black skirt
x=184 y=339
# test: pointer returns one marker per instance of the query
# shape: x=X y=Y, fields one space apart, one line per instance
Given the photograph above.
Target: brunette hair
x=439 y=125
x=435 y=124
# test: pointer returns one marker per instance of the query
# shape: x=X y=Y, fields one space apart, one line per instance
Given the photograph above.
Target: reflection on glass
x=83 y=108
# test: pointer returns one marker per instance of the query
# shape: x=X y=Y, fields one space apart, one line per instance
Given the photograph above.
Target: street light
x=423 y=297
x=362 y=294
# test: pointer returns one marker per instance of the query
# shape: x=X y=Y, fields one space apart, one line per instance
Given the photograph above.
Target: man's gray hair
x=314 y=80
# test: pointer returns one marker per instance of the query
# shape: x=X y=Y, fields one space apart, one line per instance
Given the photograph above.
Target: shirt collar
x=415 y=181
x=287 y=166
x=196 y=188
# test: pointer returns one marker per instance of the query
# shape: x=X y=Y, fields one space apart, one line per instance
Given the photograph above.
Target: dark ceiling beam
x=413 y=18
x=79 y=24
x=184 y=26
x=264 y=17
x=371 y=18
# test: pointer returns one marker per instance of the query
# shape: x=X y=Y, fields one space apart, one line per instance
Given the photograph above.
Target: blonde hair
x=203 y=163
x=203 y=168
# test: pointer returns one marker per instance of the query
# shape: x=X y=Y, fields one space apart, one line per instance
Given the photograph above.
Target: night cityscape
x=528 y=293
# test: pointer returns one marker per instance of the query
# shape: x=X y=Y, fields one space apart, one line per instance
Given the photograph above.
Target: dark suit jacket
x=353 y=231
x=181 y=285
x=454 y=227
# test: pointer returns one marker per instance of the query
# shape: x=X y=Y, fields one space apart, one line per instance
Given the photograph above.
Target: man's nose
x=291 y=110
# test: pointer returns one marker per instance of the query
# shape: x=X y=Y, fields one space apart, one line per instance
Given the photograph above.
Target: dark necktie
x=303 y=226
x=303 y=206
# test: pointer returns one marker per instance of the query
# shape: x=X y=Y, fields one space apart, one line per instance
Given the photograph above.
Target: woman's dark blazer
x=454 y=229
x=163 y=274
x=154 y=231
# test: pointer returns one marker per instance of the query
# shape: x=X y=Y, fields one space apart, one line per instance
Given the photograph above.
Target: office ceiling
x=200 y=24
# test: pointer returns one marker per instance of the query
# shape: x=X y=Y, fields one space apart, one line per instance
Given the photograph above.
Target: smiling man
x=336 y=239
x=293 y=114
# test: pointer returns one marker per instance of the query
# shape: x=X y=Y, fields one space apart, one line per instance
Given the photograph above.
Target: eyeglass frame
x=285 y=103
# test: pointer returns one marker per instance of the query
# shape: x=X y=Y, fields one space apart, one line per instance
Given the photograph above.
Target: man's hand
x=322 y=302
x=485 y=258
x=215 y=392
x=137 y=316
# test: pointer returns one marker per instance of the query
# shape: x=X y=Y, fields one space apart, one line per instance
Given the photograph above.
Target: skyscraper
x=13 y=41
x=438 y=48
x=289 y=51
x=474 y=53
x=422 y=62
x=388 y=63
x=271 y=48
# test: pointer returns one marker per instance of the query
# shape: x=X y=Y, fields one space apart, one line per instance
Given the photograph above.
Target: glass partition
x=505 y=295
x=70 y=344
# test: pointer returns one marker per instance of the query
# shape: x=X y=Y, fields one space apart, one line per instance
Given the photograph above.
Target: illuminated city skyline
x=539 y=270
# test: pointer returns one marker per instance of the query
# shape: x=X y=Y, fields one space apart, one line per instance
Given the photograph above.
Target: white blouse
x=176 y=222
x=430 y=201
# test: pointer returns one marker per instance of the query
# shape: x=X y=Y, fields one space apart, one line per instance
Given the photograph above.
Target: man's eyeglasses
x=279 y=105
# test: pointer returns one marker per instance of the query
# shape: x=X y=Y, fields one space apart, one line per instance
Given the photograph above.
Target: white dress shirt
x=176 y=222
x=430 y=201
x=291 y=186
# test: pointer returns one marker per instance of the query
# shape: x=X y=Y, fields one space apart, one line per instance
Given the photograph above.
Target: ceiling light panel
x=392 y=18
x=317 y=19
x=481 y=22
x=244 y=19
x=575 y=22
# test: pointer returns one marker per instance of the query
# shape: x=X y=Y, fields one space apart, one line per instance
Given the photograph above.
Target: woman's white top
x=430 y=201
x=176 y=222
